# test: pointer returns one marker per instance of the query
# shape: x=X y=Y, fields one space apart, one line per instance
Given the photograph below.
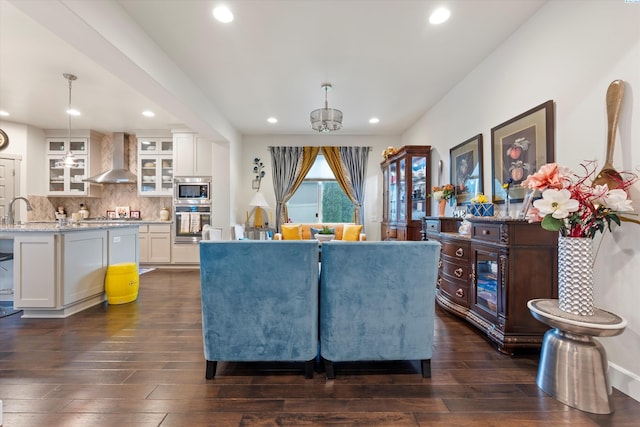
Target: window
x=320 y=198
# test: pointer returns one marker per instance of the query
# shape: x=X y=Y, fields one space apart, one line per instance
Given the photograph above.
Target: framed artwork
x=519 y=147
x=466 y=169
x=111 y=215
x=122 y=212
x=134 y=214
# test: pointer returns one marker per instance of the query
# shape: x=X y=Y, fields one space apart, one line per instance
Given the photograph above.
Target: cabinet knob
x=485 y=232
x=460 y=252
x=458 y=272
x=459 y=293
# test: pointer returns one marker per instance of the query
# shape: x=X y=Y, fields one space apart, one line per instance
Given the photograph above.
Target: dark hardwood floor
x=141 y=364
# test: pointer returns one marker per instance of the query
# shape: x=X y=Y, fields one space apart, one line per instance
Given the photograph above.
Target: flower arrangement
x=573 y=205
x=480 y=206
x=446 y=192
x=388 y=152
x=480 y=199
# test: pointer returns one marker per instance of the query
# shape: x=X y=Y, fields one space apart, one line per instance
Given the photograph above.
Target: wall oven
x=191 y=208
x=189 y=220
x=192 y=190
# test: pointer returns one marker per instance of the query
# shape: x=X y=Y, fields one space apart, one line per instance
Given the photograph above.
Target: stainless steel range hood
x=119 y=173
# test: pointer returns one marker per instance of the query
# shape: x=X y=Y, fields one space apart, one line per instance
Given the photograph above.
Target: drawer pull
x=439 y=281
x=459 y=293
x=460 y=252
x=440 y=263
x=485 y=232
x=458 y=272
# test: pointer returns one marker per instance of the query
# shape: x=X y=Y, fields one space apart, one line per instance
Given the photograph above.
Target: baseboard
x=625 y=381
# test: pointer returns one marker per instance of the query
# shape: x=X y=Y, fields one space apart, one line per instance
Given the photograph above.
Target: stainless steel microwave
x=192 y=190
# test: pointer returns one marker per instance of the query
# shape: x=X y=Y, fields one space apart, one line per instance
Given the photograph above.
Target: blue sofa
x=259 y=301
x=377 y=302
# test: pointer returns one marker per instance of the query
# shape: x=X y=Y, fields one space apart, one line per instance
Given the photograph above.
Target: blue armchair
x=377 y=302
x=259 y=301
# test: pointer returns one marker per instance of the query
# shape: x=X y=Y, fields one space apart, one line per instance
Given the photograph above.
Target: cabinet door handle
x=459 y=293
x=458 y=272
x=460 y=252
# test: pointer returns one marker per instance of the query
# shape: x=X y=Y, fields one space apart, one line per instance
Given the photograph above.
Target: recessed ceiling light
x=439 y=16
x=3 y=113
x=148 y=113
x=272 y=120
x=73 y=112
x=223 y=14
x=374 y=120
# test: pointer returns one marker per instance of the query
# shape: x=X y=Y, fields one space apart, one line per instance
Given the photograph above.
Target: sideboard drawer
x=456 y=270
x=458 y=292
x=488 y=232
x=456 y=250
x=432 y=226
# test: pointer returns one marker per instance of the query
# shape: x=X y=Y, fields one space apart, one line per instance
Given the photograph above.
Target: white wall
x=568 y=52
x=27 y=142
x=258 y=146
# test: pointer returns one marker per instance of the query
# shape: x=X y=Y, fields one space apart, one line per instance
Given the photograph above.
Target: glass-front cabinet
x=69 y=181
x=485 y=270
x=406 y=182
x=155 y=165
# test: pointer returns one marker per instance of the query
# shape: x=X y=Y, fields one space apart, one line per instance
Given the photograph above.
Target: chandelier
x=69 y=160
x=326 y=119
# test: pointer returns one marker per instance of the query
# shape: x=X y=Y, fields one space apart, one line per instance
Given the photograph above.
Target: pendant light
x=326 y=119
x=69 y=160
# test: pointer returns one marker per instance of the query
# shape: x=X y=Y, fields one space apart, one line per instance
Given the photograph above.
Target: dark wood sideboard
x=488 y=276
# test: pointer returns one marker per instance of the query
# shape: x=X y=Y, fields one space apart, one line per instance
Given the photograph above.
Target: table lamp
x=258 y=202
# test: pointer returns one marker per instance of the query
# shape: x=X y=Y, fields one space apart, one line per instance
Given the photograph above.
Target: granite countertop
x=53 y=227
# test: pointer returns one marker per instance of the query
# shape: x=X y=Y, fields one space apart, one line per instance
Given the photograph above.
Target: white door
x=7 y=184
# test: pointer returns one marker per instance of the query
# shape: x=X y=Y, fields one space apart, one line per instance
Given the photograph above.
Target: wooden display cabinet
x=406 y=185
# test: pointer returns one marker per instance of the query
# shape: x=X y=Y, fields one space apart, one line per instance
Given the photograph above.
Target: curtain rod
x=320 y=146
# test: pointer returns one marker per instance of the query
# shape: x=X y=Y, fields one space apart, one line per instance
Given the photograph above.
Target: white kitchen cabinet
x=61 y=181
x=185 y=253
x=192 y=156
x=155 y=243
x=155 y=165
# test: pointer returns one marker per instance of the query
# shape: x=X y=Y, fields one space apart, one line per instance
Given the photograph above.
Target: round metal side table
x=573 y=365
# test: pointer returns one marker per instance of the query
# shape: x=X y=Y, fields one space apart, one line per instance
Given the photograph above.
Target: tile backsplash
x=112 y=194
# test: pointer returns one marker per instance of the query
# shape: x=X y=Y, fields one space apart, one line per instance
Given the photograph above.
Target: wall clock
x=4 y=140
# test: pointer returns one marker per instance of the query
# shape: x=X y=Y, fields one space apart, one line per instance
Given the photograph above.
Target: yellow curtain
x=332 y=155
x=309 y=155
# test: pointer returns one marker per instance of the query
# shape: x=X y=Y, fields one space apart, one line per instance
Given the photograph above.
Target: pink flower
x=572 y=205
x=547 y=177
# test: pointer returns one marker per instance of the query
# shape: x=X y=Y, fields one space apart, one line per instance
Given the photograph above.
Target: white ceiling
x=382 y=56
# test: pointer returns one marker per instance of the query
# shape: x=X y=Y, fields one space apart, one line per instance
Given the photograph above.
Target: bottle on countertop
x=164 y=214
x=84 y=212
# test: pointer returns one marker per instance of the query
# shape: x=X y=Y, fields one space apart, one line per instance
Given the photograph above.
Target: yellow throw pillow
x=291 y=232
x=351 y=232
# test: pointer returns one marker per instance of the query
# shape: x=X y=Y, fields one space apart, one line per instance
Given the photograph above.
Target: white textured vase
x=575 y=275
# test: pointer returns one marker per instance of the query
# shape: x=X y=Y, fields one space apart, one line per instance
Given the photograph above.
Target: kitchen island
x=59 y=271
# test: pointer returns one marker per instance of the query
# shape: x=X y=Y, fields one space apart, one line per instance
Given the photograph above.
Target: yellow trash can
x=121 y=283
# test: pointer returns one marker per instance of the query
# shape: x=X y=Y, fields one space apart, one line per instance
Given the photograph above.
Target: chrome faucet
x=10 y=216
